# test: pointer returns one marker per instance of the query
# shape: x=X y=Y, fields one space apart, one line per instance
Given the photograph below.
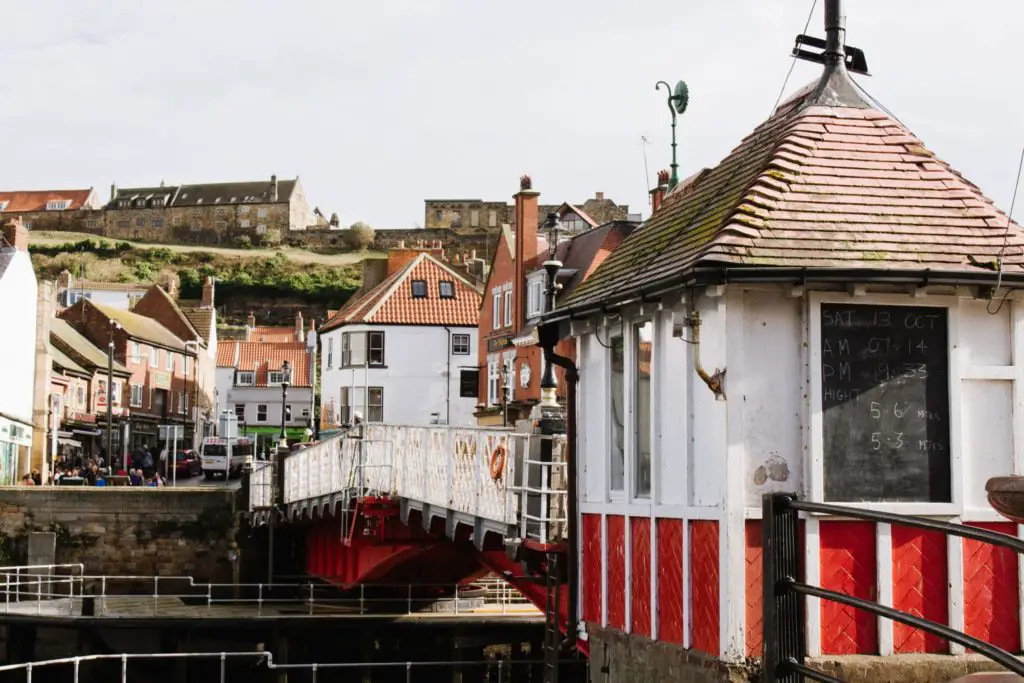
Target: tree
x=359 y=236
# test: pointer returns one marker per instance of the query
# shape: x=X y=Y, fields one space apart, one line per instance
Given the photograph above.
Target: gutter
x=768 y=274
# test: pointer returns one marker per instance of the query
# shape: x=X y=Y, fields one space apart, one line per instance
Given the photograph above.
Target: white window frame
x=534 y=297
x=492 y=218
x=262 y=213
x=956 y=377
x=245 y=374
x=240 y=414
x=154 y=357
x=508 y=306
x=493 y=379
x=181 y=402
x=329 y=356
x=136 y=351
x=243 y=209
x=58 y=204
x=115 y=392
x=496 y=309
x=613 y=332
x=243 y=223
x=135 y=400
x=170 y=361
x=461 y=341
x=632 y=384
x=275 y=377
x=187 y=364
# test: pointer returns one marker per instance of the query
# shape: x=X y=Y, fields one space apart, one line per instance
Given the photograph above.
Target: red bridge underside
x=370 y=545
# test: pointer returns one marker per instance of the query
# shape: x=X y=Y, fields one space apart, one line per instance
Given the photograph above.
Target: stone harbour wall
x=125 y=531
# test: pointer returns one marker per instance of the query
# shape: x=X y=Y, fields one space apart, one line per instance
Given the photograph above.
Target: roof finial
x=525 y=183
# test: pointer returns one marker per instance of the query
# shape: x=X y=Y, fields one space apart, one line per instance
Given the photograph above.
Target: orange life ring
x=498 y=458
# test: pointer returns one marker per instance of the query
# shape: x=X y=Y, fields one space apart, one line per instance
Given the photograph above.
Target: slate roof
x=261 y=357
x=35 y=200
x=828 y=182
x=392 y=302
x=142 y=328
x=134 y=193
x=585 y=252
x=63 y=334
x=257 y=192
x=61 y=360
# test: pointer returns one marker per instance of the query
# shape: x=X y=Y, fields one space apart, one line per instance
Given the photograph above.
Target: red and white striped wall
x=662 y=578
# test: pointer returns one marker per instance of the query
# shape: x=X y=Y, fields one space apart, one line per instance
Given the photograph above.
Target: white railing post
x=362 y=598
x=124 y=668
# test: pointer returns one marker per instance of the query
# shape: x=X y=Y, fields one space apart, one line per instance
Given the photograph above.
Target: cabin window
x=617 y=417
x=643 y=335
x=246 y=379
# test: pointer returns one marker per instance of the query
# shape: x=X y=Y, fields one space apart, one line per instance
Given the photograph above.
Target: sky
x=377 y=106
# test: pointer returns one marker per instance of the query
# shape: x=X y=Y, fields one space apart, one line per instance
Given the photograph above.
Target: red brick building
x=162 y=386
x=514 y=299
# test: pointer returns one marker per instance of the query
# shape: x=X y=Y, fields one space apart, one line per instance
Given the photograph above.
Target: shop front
x=15 y=441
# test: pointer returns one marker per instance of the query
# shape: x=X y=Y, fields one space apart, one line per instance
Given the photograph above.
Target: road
x=203 y=482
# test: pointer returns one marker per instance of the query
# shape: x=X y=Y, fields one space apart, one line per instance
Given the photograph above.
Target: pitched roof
x=142 y=328
x=95 y=286
x=61 y=360
x=392 y=302
x=157 y=301
x=36 y=200
x=262 y=357
x=277 y=335
x=257 y=192
x=827 y=182
x=200 y=318
x=227 y=354
x=134 y=193
x=586 y=251
x=72 y=341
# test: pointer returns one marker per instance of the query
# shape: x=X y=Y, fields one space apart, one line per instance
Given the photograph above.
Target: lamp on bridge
x=286 y=378
x=553 y=226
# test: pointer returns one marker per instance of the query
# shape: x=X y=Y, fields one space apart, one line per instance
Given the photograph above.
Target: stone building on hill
x=478 y=214
x=64 y=210
x=257 y=212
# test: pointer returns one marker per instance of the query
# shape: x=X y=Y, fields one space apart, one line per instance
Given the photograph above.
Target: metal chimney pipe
x=835 y=31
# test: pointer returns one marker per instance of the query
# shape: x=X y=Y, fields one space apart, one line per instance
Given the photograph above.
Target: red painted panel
x=616 y=572
x=848 y=566
x=754 y=596
x=670 y=580
x=704 y=594
x=991 y=595
x=919 y=586
x=640 y=575
x=591 y=565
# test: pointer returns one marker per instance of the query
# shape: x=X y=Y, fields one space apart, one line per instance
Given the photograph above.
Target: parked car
x=187 y=464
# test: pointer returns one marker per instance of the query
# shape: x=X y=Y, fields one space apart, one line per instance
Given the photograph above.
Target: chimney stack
x=526 y=244
x=599 y=196
x=300 y=329
x=64 y=281
x=16 y=234
x=113 y=191
x=250 y=322
x=208 y=292
x=273 y=188
x=658 y=193
x=172 y=287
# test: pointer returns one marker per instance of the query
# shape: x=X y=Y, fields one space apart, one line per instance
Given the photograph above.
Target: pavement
x=203 y=482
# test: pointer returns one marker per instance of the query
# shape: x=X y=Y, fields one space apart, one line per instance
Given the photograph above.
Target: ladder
x=552 y=622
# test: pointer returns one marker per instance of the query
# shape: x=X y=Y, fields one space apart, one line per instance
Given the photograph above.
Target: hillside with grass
x=246 y=278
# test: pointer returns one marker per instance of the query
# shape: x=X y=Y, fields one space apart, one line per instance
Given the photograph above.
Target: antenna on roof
x=834 y=47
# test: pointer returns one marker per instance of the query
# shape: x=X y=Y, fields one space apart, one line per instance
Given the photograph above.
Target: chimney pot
x=525 y=183
x=273 y=188
x=835 y=31
x=113 y=191
x=599 y=196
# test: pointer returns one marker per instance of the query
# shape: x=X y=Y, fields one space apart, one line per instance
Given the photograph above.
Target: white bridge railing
x=496 y=475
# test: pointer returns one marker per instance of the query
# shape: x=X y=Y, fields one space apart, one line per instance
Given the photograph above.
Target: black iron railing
x=785 y=643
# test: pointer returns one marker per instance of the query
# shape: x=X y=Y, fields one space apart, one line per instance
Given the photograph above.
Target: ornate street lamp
x=286 y=378
x=553 y=226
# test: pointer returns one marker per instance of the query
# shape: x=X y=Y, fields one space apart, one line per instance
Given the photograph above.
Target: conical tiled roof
x=827 y=182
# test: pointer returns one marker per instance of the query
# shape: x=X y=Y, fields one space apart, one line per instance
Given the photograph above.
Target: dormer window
x=58 y=204
x=246 y=379
x=124 y=203
x=4 y=203
x=140 y=203
x=157 y=201
x=446 y=289
x=419 y=289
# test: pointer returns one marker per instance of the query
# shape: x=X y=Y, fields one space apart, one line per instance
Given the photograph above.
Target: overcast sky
x=379 y=105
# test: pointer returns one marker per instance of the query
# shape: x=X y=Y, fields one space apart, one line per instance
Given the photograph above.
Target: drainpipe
x=448 y=379
x=572 y=378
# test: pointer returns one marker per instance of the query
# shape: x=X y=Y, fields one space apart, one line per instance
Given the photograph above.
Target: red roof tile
x=392 y=302
x=261 y=357
x=272 y=334
x=814 y=186
x=226 y=351
x=35 y=200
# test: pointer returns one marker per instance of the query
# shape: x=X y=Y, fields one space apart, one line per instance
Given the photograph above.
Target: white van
x=225 y=456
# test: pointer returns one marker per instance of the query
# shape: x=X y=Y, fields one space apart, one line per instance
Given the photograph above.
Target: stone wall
x=222 y=225
x=121 y=531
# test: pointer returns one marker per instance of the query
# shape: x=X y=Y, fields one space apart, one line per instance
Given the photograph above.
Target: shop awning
x=86 y=432
x=68 y=442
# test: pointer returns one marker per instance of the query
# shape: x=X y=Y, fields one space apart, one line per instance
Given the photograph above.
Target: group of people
x=140 y=470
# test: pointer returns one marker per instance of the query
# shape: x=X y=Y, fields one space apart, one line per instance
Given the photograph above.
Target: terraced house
x=259 y=212
x=66 y=210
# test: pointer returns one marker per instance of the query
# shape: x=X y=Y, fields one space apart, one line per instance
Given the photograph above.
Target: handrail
x=783 y=617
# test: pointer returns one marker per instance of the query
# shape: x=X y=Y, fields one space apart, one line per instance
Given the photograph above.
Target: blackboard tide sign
x=885 y=403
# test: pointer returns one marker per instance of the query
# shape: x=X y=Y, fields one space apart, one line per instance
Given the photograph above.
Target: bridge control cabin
x=829 y=312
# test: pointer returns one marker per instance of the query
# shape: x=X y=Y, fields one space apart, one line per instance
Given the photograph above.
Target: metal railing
x=493 y=474
x=261 y=485
x=66 y=591
x=497 y=670
x=783 y=616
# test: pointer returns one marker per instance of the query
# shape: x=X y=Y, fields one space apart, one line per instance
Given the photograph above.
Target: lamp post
x=195 y=384
x=286 y=372
x=553 y=226
x=110 y=395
